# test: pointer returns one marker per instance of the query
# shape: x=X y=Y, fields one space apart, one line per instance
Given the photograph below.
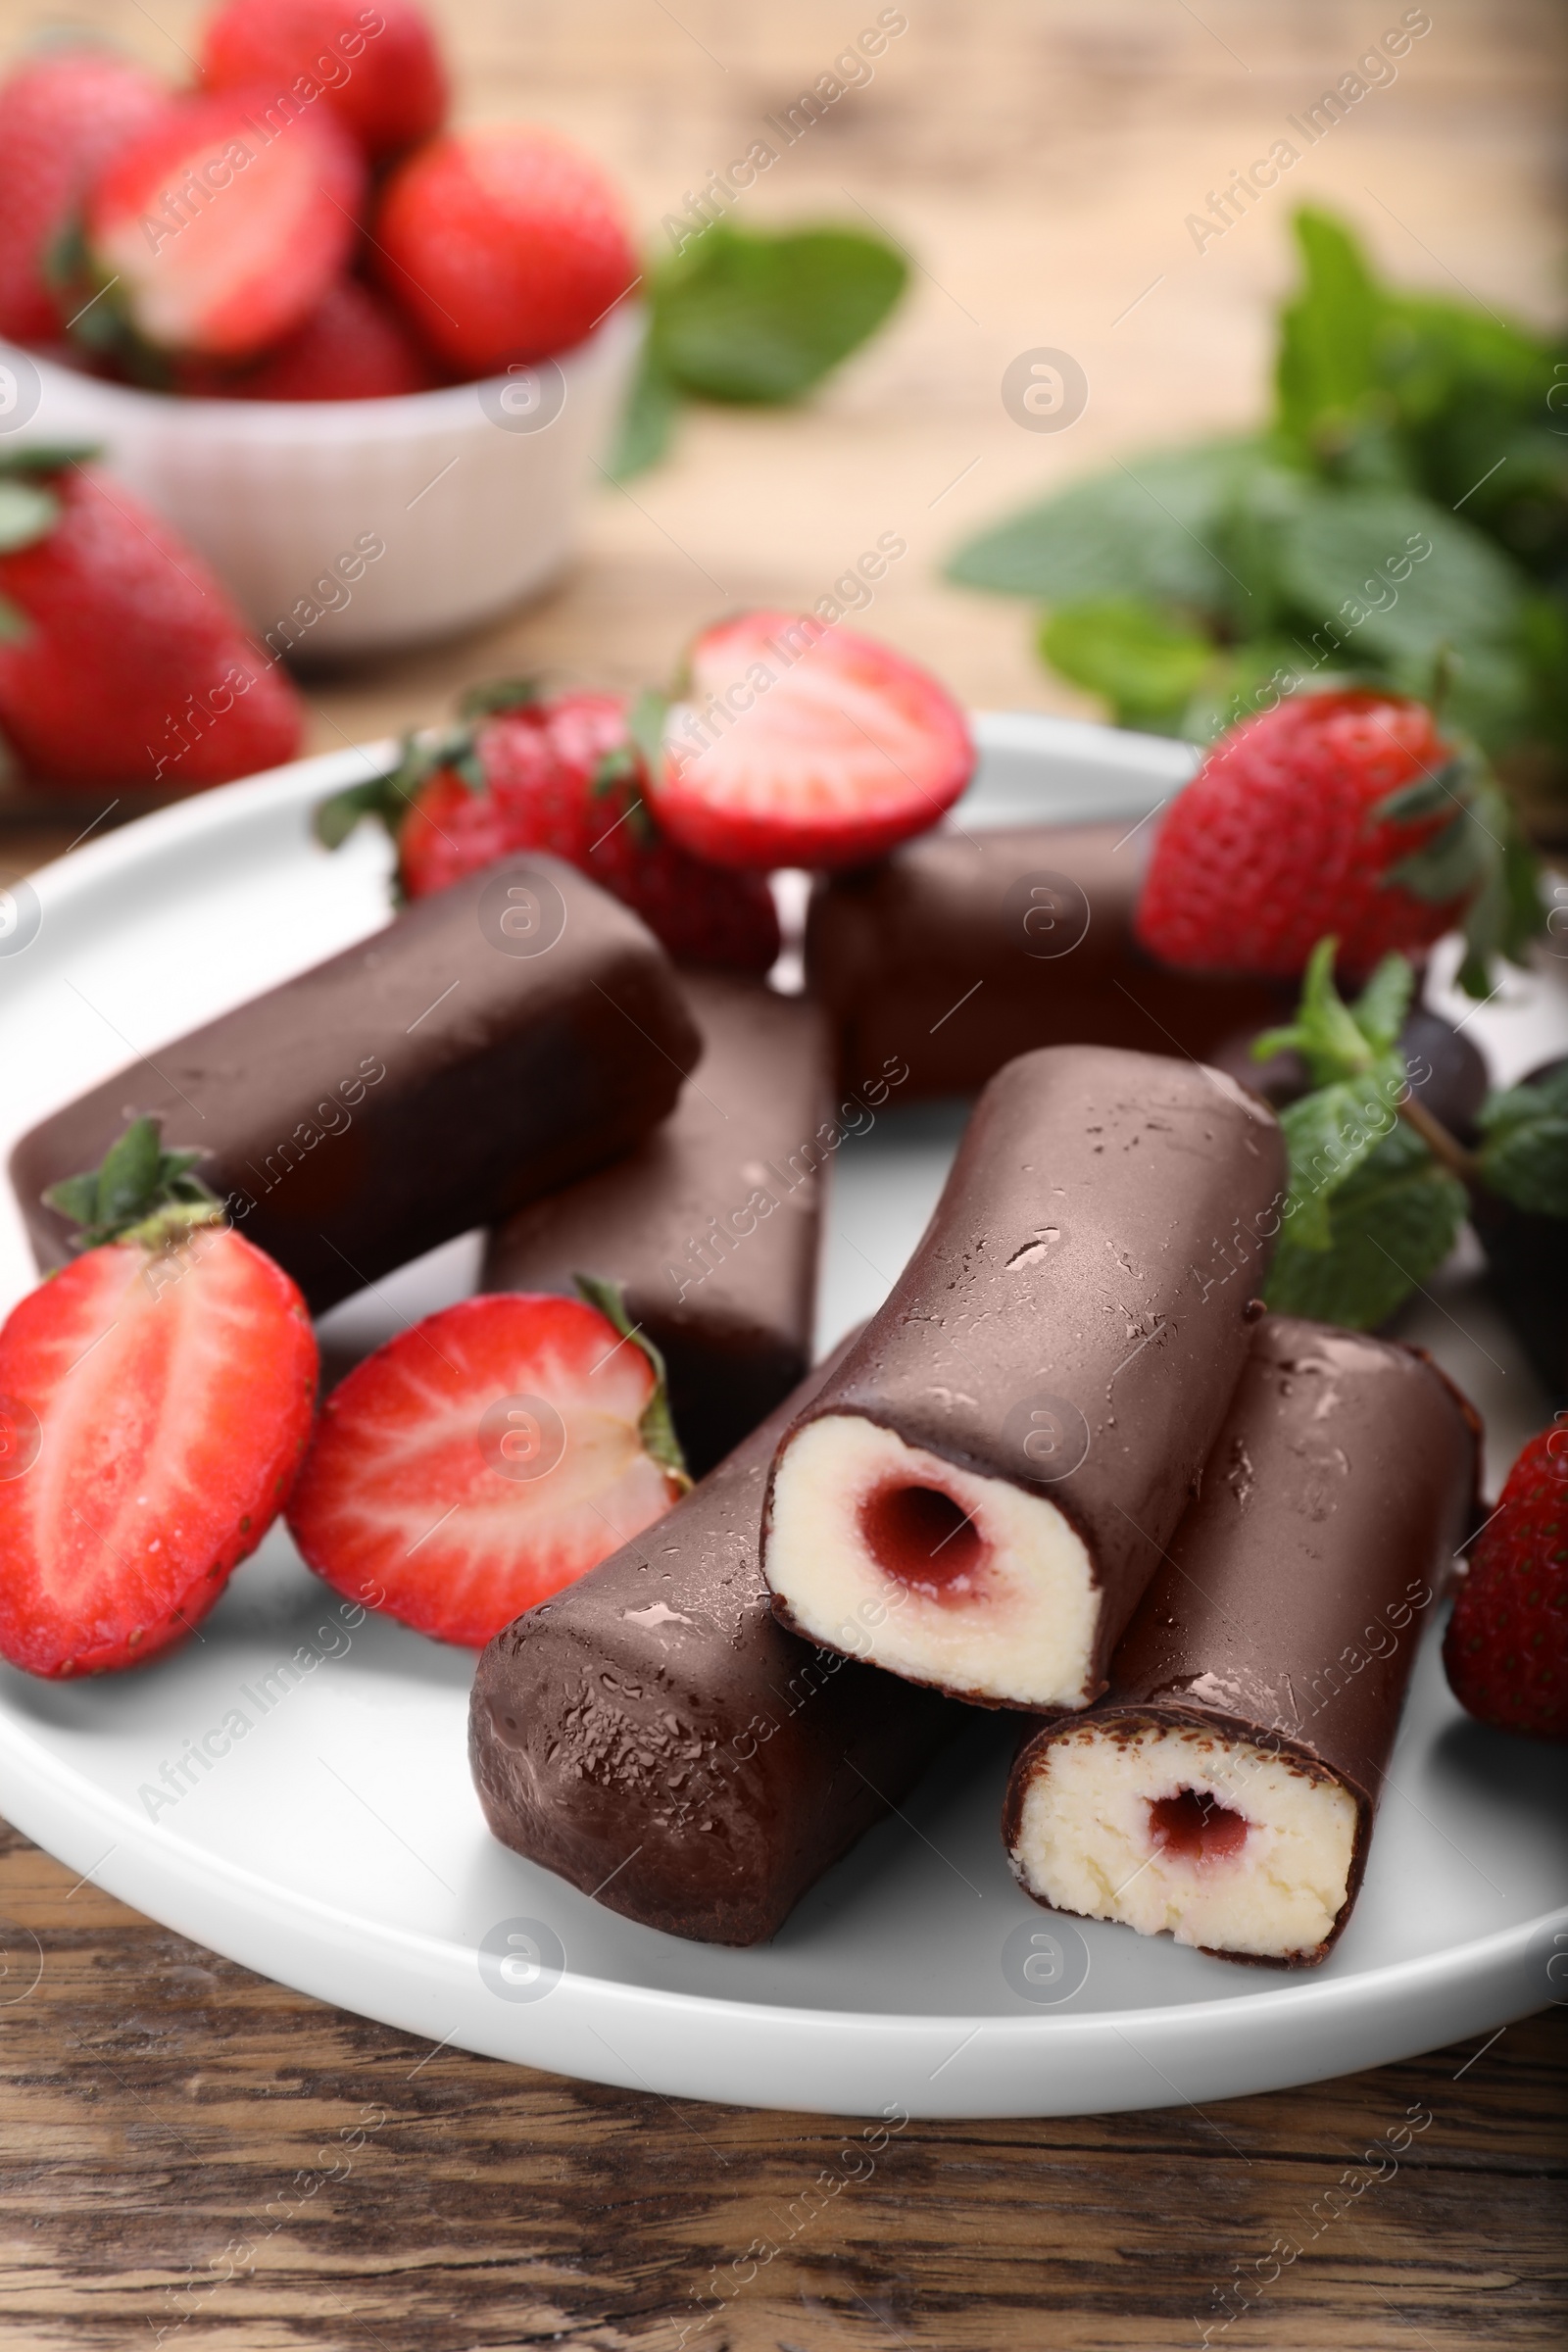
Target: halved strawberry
x=155 y=1402
x=63 y=114
x=219 y=231
x=484 y=1458
x=797 y=743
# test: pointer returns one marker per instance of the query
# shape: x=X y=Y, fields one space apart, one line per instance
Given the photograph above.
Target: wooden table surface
x=163 y=2111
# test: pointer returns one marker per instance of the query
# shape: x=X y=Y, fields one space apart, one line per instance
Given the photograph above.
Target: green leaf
x=27 y=514
x=1338 y=1042
x=1328 y=1135
x=647 y=423
x=1387 y=574
x=746 y=316
x=137 y=1182
x=1148 y=530
x=1524 y=1153
x=495 y=694
x=646 y=727
x=1390 y=1226
x=1327 y=363
x=334 y=819
x=1379 y=1010
x=45 y=457
x=1146 y=665
x=657 y=1427
x=13 y=623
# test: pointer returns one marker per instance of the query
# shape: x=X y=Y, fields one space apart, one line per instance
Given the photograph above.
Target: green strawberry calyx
x=389 y=793
x=139 y=1193
x=1481 y=855
x=657 y=1426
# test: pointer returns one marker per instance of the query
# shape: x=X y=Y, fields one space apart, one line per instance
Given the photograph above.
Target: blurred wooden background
x=1038 y=158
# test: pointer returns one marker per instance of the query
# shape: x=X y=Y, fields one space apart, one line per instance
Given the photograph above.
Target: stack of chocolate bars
x=1070 y=1469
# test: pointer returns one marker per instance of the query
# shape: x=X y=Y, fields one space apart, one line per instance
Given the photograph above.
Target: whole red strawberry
x=121 y=661
x=1507 y=1646
x=155 y=1404
x=63 y=117
x=565 y=775
x=220 y=231
x=1279 y=840
x=797 y=743
x=353 y=345
x=377 y=69
x=484 y=1458
x=503 y=243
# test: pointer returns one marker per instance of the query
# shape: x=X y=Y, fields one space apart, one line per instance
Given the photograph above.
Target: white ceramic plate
x=339 y=1845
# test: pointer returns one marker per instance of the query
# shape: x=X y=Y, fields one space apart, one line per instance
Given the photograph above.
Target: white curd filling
x=1184 y=1832
x=931 y=1572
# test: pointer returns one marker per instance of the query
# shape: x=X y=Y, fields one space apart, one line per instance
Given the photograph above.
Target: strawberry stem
x=1443 y=1147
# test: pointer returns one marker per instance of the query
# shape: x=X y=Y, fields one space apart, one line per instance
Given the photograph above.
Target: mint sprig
x=1379 y=1188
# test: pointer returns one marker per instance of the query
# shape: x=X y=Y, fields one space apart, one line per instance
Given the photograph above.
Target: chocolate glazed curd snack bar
x=710 y=1225
x=493 y=1040
x=655 y=1736
x=986 y=944
x=1223 y=1791
x=1018 y=1432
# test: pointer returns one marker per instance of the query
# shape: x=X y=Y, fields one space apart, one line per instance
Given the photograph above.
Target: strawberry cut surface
x=64 y=116
x=480 y=1461
x=154 y=1409
x=223 y=226
x=804 y=745
x=1507 y=1646
x=1277 y=841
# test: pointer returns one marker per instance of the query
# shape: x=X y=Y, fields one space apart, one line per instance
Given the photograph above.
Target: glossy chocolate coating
x=1301 y=1579
x=712 y=1223
x=1446 y=1071
x=428 y=1080
x=1106 y=1223
x=936 y=955
x=656 y=1736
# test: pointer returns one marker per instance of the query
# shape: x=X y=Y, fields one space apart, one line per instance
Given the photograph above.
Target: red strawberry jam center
x=1196 y=1827
x=922 y=1537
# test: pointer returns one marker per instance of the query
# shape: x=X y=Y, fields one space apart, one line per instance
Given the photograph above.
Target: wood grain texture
x=182 y=2156
x=177 y=2156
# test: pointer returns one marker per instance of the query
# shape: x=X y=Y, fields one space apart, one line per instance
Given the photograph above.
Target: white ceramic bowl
x=471 y=494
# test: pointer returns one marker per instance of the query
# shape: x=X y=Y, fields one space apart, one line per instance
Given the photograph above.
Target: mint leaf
x=1146 y=665
x=1150 y=530
x=745 y=315
x=1337 y=1041
x=1390 y=1226
x=1331 y=1134
x=1524 y=1153
x=647 y=420
x=1327 y=363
